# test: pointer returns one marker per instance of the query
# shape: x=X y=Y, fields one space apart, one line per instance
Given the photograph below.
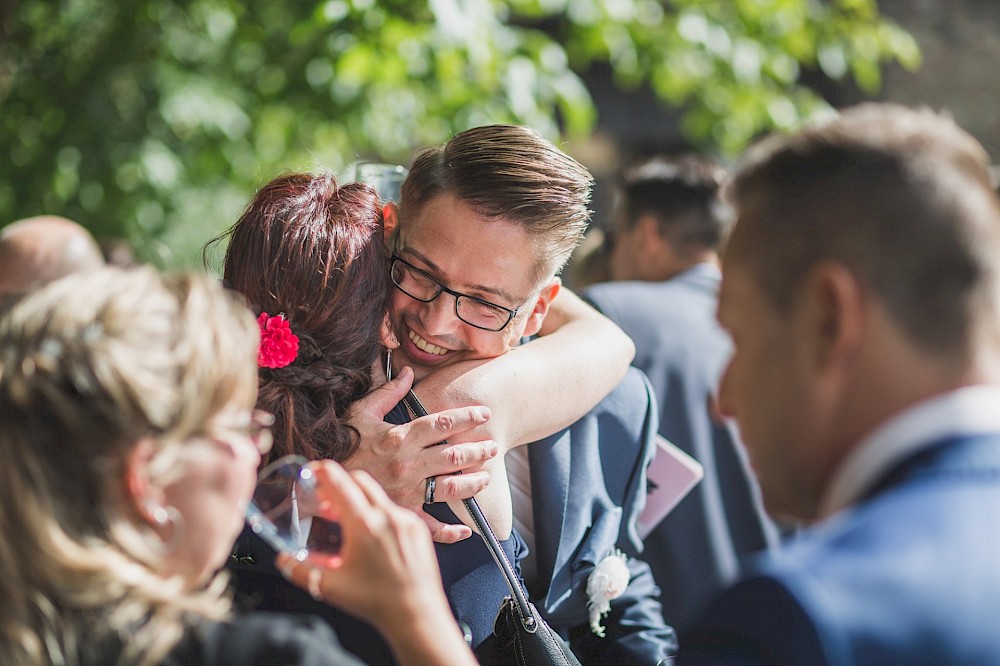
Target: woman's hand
x=403 y=457
x=386 y=571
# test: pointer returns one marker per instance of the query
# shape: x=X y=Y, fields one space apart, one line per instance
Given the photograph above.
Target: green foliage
x=154 y=120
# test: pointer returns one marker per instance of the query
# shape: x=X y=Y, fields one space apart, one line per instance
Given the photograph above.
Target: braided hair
x=312 y=250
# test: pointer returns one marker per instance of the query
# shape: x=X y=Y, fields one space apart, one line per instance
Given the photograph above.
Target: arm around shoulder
x=545 y=385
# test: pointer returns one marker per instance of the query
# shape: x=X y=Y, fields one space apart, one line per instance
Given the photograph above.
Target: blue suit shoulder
x=907 y=577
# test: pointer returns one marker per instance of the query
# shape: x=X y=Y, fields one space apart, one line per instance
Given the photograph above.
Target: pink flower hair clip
x=278 y=345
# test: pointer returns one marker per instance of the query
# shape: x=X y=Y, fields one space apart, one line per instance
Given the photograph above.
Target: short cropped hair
x=902 y=197
x=681 y=194
x=508 y=173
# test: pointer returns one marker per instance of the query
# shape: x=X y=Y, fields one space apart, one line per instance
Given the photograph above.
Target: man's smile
x=423 y=345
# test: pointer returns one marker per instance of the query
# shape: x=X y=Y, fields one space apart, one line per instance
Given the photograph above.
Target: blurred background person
x=132 y=448
x=37 y=250
x=668 y=227
x=591 y=261
x=861 y=286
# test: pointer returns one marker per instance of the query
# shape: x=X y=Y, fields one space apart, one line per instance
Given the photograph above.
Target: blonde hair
x=89 y=365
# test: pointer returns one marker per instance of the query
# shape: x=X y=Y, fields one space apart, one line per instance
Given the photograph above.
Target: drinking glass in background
x=387 y=179
x=285 y=511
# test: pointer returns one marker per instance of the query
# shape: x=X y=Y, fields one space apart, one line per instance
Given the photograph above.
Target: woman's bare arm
x=541 y=387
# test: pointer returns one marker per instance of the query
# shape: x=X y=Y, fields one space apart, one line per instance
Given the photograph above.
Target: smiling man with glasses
x=424 y=287
x=487 y=220
x=485 y=223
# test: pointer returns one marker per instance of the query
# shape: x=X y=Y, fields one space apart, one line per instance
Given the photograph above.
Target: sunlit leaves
x=155 y=119
x=734 y=66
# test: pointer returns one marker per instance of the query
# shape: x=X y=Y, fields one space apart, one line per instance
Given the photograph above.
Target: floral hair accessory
x=278 y=345
x=607 y=581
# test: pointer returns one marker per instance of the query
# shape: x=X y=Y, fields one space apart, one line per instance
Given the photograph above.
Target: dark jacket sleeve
x=604 y=456
x=263 y=639
x=756 y=622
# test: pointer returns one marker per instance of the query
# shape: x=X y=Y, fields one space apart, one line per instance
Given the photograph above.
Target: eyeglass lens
x=471 y=310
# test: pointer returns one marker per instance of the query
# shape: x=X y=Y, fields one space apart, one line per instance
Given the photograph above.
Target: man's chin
x=422 y=364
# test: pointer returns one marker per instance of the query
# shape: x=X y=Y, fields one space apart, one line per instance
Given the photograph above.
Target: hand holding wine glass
x=386 y=569
x=287 y=513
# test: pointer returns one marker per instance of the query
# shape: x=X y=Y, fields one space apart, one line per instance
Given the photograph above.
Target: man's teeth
x=426 y=346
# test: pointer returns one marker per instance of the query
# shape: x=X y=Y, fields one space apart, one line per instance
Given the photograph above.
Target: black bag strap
x=518 y=594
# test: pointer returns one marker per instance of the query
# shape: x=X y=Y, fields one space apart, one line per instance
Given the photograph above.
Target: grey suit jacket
x=697 y=550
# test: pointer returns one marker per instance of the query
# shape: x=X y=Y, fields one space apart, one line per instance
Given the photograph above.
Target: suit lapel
x=966 y=455
x=550 y=462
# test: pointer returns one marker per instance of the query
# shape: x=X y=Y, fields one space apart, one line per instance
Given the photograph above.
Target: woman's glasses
x=257 y=431
x=285 y=513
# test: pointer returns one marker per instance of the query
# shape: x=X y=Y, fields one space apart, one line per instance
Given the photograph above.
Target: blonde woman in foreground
x=130 y=451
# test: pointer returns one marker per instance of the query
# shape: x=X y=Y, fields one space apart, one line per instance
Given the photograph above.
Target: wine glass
x=387 y=179
x=285 y=511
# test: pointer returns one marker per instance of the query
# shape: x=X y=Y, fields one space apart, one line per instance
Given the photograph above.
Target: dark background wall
x=960 y=40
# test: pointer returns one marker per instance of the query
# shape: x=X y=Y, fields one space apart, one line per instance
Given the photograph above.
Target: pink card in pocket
x=669 y=478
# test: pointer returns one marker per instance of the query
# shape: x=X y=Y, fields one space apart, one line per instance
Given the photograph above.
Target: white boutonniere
x=607 y=581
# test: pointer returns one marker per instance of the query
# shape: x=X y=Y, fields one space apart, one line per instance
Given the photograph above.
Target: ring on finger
x=429 y=490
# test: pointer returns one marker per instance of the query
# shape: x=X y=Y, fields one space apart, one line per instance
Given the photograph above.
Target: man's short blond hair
x=900 y=196
x=508 y=173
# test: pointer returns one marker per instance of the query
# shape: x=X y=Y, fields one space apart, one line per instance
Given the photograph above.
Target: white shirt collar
x=965 y=411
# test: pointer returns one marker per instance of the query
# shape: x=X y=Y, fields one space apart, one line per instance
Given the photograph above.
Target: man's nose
x=439 y=317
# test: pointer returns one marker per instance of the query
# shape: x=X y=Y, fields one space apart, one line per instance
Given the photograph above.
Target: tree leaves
x=154 y=120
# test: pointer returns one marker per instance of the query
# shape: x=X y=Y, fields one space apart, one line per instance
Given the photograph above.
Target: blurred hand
x=402 y=457
x=386 y=571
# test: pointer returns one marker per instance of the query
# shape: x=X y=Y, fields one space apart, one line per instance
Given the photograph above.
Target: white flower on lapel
x=607 y=581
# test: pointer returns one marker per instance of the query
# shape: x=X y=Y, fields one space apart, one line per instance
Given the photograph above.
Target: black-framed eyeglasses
x=474 y=311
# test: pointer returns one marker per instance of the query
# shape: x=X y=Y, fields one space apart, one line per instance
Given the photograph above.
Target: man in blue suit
x=490 y=217
x=588 y=486
x=664 y=260
x=862 y=290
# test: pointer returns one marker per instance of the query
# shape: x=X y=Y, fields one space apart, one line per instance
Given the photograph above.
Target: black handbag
x=521 y=636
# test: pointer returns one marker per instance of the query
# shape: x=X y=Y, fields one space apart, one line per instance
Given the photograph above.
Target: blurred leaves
x=154 y=120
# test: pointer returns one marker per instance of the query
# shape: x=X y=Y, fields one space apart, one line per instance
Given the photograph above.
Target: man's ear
x=541 y=308
x=144 y=496
x=390 y=220
x=655 y=253
x=833 y=315
x=649 y=231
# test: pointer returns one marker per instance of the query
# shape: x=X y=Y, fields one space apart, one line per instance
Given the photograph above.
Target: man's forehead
x=472 y=257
